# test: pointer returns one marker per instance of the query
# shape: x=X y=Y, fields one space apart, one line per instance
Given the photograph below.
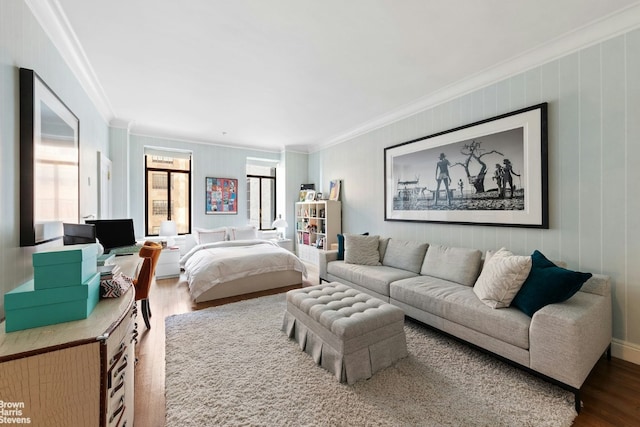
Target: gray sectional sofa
x=434 y=285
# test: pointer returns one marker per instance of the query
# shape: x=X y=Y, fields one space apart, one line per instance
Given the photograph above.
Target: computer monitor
x=75 y=234
x=114 y=233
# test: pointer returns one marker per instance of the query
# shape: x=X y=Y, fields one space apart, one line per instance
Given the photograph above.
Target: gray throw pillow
x=460 y=265
x=405 y=255
x=361 y=250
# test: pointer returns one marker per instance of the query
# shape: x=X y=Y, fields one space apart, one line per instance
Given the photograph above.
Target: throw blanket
x=211 y=264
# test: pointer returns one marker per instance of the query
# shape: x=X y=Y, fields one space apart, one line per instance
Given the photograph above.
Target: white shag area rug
x=232 y=365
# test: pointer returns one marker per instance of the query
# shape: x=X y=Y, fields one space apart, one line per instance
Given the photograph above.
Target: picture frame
x=221 y=196
x=49 y=178
x=490 y=172
x=311 y=196
x=302 y=196
x=334 y=189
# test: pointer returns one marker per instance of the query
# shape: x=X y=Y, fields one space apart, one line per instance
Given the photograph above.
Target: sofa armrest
x=598 y=284
x=325 y=257
x=567 y=339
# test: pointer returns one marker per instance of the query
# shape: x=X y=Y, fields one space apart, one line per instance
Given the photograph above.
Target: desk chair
x=149 y=253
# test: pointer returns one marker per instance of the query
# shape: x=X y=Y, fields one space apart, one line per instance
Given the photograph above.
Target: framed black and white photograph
x=491 y=172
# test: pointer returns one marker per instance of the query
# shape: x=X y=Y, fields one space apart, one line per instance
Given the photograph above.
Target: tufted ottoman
x=347 y=332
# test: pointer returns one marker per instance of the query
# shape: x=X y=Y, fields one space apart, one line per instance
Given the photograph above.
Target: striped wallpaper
x=594 y=150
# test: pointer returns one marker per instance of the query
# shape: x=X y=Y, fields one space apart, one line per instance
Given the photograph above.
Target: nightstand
x=168 y=263
x=285 y=243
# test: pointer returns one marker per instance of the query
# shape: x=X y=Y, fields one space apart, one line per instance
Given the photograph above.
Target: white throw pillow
x=203 y=236
x=363 y=250
x=248 y=232
x=501 y=278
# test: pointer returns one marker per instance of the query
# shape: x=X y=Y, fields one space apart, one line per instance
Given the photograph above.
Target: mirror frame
x=33 y=93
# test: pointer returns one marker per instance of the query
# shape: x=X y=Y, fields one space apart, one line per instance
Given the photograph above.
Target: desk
x=75 y=373
x=128 y=264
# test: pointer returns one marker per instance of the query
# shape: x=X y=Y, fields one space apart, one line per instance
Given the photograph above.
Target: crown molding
x=607 y=27
x=55 y=24
x=121 y=124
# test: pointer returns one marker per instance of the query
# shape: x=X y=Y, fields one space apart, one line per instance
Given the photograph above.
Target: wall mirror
x=49 y=162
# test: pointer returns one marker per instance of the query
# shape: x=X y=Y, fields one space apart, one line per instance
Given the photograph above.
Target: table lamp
x=281 y=225
x=168 y=229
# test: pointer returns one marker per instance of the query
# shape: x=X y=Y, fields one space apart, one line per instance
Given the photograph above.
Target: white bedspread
x=211 y=264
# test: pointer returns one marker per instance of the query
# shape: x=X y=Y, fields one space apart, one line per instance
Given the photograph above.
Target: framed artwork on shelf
x=221 y=196
x=334 y=190
x=302 y=196
x=491 y=172
x=311 y=196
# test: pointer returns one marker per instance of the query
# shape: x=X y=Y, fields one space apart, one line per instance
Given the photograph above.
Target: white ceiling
x=301 y=74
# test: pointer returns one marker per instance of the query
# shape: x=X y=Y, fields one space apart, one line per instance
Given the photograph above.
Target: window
x=160 y=207
x=168 y=190
x=159 y=181
x=261 y=195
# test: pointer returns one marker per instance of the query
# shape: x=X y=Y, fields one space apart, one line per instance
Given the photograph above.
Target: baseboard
x=625 y=351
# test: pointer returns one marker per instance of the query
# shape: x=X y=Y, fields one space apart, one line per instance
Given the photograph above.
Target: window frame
x=275 y=198
x=168 y=171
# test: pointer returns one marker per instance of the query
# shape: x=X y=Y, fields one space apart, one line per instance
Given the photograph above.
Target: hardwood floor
x=611 y=394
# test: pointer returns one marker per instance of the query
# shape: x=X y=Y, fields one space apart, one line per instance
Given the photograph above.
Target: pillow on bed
x=248 y=232
x=210 y=236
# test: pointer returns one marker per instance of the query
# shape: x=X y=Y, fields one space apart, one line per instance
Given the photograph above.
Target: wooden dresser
x=77 y=373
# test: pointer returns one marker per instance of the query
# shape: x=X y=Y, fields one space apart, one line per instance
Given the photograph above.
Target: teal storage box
x=27 y=307
x=64 y=266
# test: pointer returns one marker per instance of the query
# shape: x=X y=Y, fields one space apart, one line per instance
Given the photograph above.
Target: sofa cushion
x=460 y=265
x=507 y=324
x=362 y=250
x=501 y=278
x=425 y=293
x=341 y=245
x=457 y=303
x=405 y=255
x=376 y=278
x=547 y=284
x=382 y=246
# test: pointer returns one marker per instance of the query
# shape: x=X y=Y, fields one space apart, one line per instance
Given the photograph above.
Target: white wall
x=23 y=43
x=594 y=145
x=208 y=161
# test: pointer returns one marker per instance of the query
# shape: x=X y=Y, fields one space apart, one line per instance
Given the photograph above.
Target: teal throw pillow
x=547 y=284
x=341 y=246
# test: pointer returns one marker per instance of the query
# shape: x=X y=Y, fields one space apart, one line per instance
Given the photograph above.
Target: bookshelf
x=318 y=224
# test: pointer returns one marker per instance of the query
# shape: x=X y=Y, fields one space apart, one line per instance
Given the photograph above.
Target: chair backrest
x=154 y=254
x=149 y=255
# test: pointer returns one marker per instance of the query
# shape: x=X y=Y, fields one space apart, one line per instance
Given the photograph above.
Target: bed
x=229 y=268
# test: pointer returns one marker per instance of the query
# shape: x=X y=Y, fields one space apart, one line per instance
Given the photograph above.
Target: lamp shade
x=280 y=223
x=168 y=228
